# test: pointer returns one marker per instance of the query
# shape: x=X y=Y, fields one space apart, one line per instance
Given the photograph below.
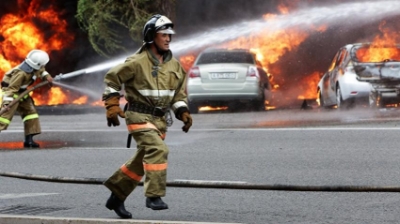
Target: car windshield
x=225 y=57
x=376 y=54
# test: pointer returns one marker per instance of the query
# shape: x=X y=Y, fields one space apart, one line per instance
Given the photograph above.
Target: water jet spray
x=92 y=69
x=335 y=14
x=305 y=18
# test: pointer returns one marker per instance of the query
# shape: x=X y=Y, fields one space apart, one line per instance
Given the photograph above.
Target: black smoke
x=314 y=54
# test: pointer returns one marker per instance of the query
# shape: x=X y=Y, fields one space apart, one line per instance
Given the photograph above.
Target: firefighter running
x=17 y=81
x=154 y=82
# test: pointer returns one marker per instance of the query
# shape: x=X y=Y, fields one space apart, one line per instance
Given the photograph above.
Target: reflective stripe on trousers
x=15 y=96
x=130 y=174
x=30 y=117
x=5 y=121
x=149 y=161
x=146 y=167
x=135 y=127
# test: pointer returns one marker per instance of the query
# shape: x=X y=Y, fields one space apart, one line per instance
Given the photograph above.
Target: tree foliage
x=108 y=22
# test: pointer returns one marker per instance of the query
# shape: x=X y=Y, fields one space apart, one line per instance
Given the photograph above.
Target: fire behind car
x=227 y=77
x=339 y=85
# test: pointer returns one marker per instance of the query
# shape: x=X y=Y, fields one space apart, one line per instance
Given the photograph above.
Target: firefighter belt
x=145 y=109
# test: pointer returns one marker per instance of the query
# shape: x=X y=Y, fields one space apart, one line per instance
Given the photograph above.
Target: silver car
x=339 y=86
x=226 y=77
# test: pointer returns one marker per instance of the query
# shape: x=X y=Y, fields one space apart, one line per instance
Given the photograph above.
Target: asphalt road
x=294 y=147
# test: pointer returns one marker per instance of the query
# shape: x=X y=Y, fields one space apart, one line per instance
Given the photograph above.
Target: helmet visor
x=166 y=30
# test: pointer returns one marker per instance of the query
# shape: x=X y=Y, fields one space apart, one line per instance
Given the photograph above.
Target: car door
x=335 y=74
x=329 y=96
x=324 y=88
x=264 y=82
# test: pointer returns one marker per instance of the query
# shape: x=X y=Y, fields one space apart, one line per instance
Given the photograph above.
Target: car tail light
x=194 y=72
x=252 y=72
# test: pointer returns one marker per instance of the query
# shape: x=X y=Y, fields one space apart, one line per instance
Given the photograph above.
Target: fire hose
x=57 y=78
x=23 y=94
x=196 y=183
x=233 y=185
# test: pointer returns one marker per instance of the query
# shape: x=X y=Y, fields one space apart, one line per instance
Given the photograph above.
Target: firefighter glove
x=5 y=106
x=187 y=120
x=5 y=103
x=50 y=80
x=113 y=111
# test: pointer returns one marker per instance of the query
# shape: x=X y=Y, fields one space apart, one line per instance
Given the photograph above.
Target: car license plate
x=222 y=75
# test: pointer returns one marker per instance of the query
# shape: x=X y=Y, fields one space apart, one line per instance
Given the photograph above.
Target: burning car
x=364 y=72
x=382 y=71
x=223 y=77
x=339 y=86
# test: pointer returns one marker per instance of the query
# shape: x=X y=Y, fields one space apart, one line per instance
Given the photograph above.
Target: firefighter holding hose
x=154 y=82
x=15 y=82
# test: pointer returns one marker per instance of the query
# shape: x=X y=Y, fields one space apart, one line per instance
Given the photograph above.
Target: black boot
x=29 y=143
x=156 y=203
x=116 y=204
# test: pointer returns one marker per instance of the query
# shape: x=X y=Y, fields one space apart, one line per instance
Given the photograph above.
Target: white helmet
x=37 y=59
x=156 y=24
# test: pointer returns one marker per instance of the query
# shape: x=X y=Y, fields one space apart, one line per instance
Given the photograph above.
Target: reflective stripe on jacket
x=148 y=82
x=17 y=79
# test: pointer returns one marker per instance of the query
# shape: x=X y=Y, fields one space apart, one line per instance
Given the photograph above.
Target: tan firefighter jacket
x=148 y=82
x=16 y=81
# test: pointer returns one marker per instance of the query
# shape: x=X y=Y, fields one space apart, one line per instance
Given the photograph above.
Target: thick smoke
x=314 y=54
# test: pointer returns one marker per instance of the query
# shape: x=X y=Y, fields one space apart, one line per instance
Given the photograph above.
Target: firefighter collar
x=167 y=56
x=25 y=67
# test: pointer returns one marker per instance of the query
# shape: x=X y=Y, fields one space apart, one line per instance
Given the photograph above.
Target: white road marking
x=24 y=195
x=47 y=219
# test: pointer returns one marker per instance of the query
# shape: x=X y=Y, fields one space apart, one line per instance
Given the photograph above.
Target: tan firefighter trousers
x=150 y=161
x=29 y=115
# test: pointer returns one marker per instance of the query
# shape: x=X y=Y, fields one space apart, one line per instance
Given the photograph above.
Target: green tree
x=108 y=22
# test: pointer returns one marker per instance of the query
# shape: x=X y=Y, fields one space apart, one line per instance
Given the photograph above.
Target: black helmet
x=157 y=24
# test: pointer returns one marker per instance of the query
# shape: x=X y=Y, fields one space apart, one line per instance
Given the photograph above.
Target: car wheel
x=375 y=101
x=339 y=100
x=259 y=104
x=193 y=108
x=372 y=100
x=321 y=101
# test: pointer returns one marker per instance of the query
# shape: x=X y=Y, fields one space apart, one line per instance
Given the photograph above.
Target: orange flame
x=187 y=61
x=382 y=47
x=269 y=46
x=22 y=32
x=56 y=96
x=309 y=86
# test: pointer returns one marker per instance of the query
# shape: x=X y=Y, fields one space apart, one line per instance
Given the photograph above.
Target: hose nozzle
x=57 y=78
